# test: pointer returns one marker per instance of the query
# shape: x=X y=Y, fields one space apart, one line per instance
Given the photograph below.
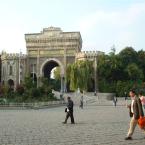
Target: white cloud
x=12 y=39
x=116 y=23
x=120 y=18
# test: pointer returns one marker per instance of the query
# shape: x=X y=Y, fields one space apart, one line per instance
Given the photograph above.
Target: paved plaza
x=95 y=125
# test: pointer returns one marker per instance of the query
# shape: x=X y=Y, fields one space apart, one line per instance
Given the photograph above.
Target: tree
x=110 y=67
x=134 y=72
x=114 y=70
x=56 y=82
x=57 y=73
x=103 y=67
x=128 y=55
x=79 y=74
x=141 y=60
x=20 y=89
x=28 y=83
x=4 y=90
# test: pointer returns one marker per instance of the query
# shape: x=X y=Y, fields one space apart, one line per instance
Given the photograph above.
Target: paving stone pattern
x=95 y=125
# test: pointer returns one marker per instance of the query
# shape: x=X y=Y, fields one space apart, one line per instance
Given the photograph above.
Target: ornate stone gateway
x=45 y=50
x=51 y=48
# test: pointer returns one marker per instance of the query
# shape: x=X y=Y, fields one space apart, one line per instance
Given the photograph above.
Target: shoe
x=73 y=123
x=128 y=138
x=64 y=122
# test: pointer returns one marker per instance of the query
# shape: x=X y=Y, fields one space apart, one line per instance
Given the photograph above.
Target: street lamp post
x=95 y=75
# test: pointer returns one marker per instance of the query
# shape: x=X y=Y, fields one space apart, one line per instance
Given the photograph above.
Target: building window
x=11 y=70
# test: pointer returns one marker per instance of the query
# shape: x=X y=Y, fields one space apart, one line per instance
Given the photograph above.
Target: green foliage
x=57 y=73
x=28 y=82
x=20 y=89
x=123 y=86
x=35 y=92
x=105 y=86
x=4 y=91
x=28 y=92
x=121 y=72
x=134 y=72
x=128 y=55
x=79 y=74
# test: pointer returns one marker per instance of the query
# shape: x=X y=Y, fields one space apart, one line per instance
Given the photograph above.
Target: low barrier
x=37 y=105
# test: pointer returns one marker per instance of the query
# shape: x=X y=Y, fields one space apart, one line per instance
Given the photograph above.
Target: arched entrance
x=48 y=66
x=11 y=84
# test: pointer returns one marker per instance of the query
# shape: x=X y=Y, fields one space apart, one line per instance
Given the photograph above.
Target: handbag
x=66 y=110
x=141 y=122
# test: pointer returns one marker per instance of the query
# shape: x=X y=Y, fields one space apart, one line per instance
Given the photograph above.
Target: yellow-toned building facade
x=45 y=50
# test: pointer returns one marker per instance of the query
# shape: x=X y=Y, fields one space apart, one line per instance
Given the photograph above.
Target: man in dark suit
x=69 y=111
x=135 y=110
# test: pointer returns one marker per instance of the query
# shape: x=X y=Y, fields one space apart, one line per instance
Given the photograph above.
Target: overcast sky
x=102 y=23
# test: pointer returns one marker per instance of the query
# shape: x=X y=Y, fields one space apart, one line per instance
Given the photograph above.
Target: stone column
x=62 y=83
x=65 y=62
x=38 y=68
x=62 y=86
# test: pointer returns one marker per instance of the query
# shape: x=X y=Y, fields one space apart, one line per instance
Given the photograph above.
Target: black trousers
x=69 y=114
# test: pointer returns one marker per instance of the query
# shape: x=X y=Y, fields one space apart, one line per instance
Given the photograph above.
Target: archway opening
x=51 y=71
x=11 y=84
x=48 y=67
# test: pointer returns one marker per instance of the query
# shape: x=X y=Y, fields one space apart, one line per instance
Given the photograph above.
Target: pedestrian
x=69 y=111
x=126 y=100
x=142 y=98
x=115 y=101
x=125 y=96
x=81 y=102
x=136 y=111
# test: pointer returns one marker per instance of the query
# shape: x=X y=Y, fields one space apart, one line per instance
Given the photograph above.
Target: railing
x=32 y=105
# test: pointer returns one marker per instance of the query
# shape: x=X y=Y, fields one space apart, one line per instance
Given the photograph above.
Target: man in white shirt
x=136 y=111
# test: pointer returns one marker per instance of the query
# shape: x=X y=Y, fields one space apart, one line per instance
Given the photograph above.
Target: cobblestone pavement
x=95 y=125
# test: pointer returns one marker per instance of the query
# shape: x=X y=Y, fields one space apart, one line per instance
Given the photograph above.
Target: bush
x=106 y=87
x=28 y=92
x=19 y=89
x=125 y=86
x=35 y=93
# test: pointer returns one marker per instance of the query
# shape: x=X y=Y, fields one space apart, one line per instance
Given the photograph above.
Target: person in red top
x=142 y=98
